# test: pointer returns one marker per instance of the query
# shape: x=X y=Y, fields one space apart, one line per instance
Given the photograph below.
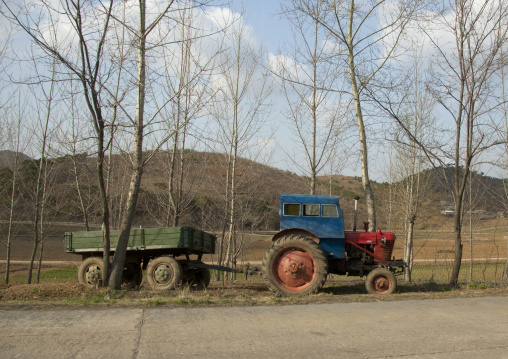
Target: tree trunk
x=230 y=255
x=313 y=164
x=115 y=280
x=75 y=160
x=408 y=252
x=506 y=266
x=41 y=178
x=457 y=258
x=505 y=115
x=220 y=251
x=41 y=252
x=106 y=242
x=11 y=210
x=11 y=218
x=118 y=263
x=369 y=194
x=42 y=233
x=78 y=189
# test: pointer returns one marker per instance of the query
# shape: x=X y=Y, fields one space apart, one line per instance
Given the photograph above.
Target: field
x=433 y=252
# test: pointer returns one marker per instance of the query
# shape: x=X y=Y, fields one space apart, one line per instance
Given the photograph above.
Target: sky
x=262 y=16
x=273 y=32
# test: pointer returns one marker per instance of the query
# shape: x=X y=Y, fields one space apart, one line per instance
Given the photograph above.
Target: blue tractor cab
x=319 y=215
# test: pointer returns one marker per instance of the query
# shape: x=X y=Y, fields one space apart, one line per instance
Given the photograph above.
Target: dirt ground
x=232 y=293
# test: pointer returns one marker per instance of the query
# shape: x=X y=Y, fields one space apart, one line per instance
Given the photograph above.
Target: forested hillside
x=201 y=200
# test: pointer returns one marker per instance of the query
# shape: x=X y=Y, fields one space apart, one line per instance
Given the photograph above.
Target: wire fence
x=433 y=261
x=491 y=271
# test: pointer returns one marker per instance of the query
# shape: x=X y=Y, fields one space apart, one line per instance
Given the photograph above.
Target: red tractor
x=312 y=243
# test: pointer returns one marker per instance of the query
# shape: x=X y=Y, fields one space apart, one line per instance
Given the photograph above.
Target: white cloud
x=281 y=64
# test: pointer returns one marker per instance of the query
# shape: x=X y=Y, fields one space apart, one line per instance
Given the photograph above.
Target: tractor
x=312 y=243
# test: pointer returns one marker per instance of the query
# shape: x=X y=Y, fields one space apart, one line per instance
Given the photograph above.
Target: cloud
x=287 y=66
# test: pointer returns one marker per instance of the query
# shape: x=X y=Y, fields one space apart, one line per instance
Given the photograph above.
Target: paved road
x=447 y=328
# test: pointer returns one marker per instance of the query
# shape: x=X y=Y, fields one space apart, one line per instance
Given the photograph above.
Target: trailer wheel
x=90 y=272
x=199 y=279
x=164 y=273
x=132 y=275
x=294 y=265
x=381 y=281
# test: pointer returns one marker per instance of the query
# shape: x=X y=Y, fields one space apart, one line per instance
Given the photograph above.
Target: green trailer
x=165 y=253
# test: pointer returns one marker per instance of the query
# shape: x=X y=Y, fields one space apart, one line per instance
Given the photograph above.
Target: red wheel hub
x=294 y=268
x=381 y=284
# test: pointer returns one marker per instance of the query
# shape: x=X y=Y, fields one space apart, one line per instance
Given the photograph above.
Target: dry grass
x=238 y=293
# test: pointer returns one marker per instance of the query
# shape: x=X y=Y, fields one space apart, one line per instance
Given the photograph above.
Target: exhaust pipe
x=356 y=212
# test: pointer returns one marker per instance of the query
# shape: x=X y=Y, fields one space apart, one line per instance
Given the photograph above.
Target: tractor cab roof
x=308 y=198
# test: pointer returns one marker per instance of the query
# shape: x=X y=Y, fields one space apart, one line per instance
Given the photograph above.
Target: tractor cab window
x=311 y=210
x=330 y=210
x=291 y=209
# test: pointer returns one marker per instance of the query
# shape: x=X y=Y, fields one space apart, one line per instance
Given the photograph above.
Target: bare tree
x=141 y=33
x=474 y=192
x=119 y=52
x=464 y=85
x=148 y=20
x=369 y=33
x=12 y=132
x=411 y=184
x=14 y=135
x=74 y=140
x=187 y=76
x=6 y=59
x=505 y=128
x=465 y=88
x=90 y=24
x=243 y=88
x=314 y=111
x=41 y=176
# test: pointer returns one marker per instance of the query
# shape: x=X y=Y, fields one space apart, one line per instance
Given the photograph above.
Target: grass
x=436 y=273
x=480 y=285
x=63 y=275
x=441 y=274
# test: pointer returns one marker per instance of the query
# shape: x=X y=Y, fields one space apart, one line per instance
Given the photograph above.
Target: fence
x=491 y=271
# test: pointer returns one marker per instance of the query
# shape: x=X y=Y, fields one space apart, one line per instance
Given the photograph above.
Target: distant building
x=448 y=212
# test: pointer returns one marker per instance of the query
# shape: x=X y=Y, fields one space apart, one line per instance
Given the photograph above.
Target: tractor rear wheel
x=381 y=281
x=164 y=273
x=295 y=265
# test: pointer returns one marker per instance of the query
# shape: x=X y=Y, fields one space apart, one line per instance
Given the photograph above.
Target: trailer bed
x=172 y=239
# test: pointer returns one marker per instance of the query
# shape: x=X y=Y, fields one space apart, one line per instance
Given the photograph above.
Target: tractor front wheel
x=295 y=265
x=381 y=281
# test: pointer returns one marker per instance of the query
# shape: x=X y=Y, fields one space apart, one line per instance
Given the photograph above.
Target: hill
x=200 y=192
x=485 y=193
x=7 y=158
